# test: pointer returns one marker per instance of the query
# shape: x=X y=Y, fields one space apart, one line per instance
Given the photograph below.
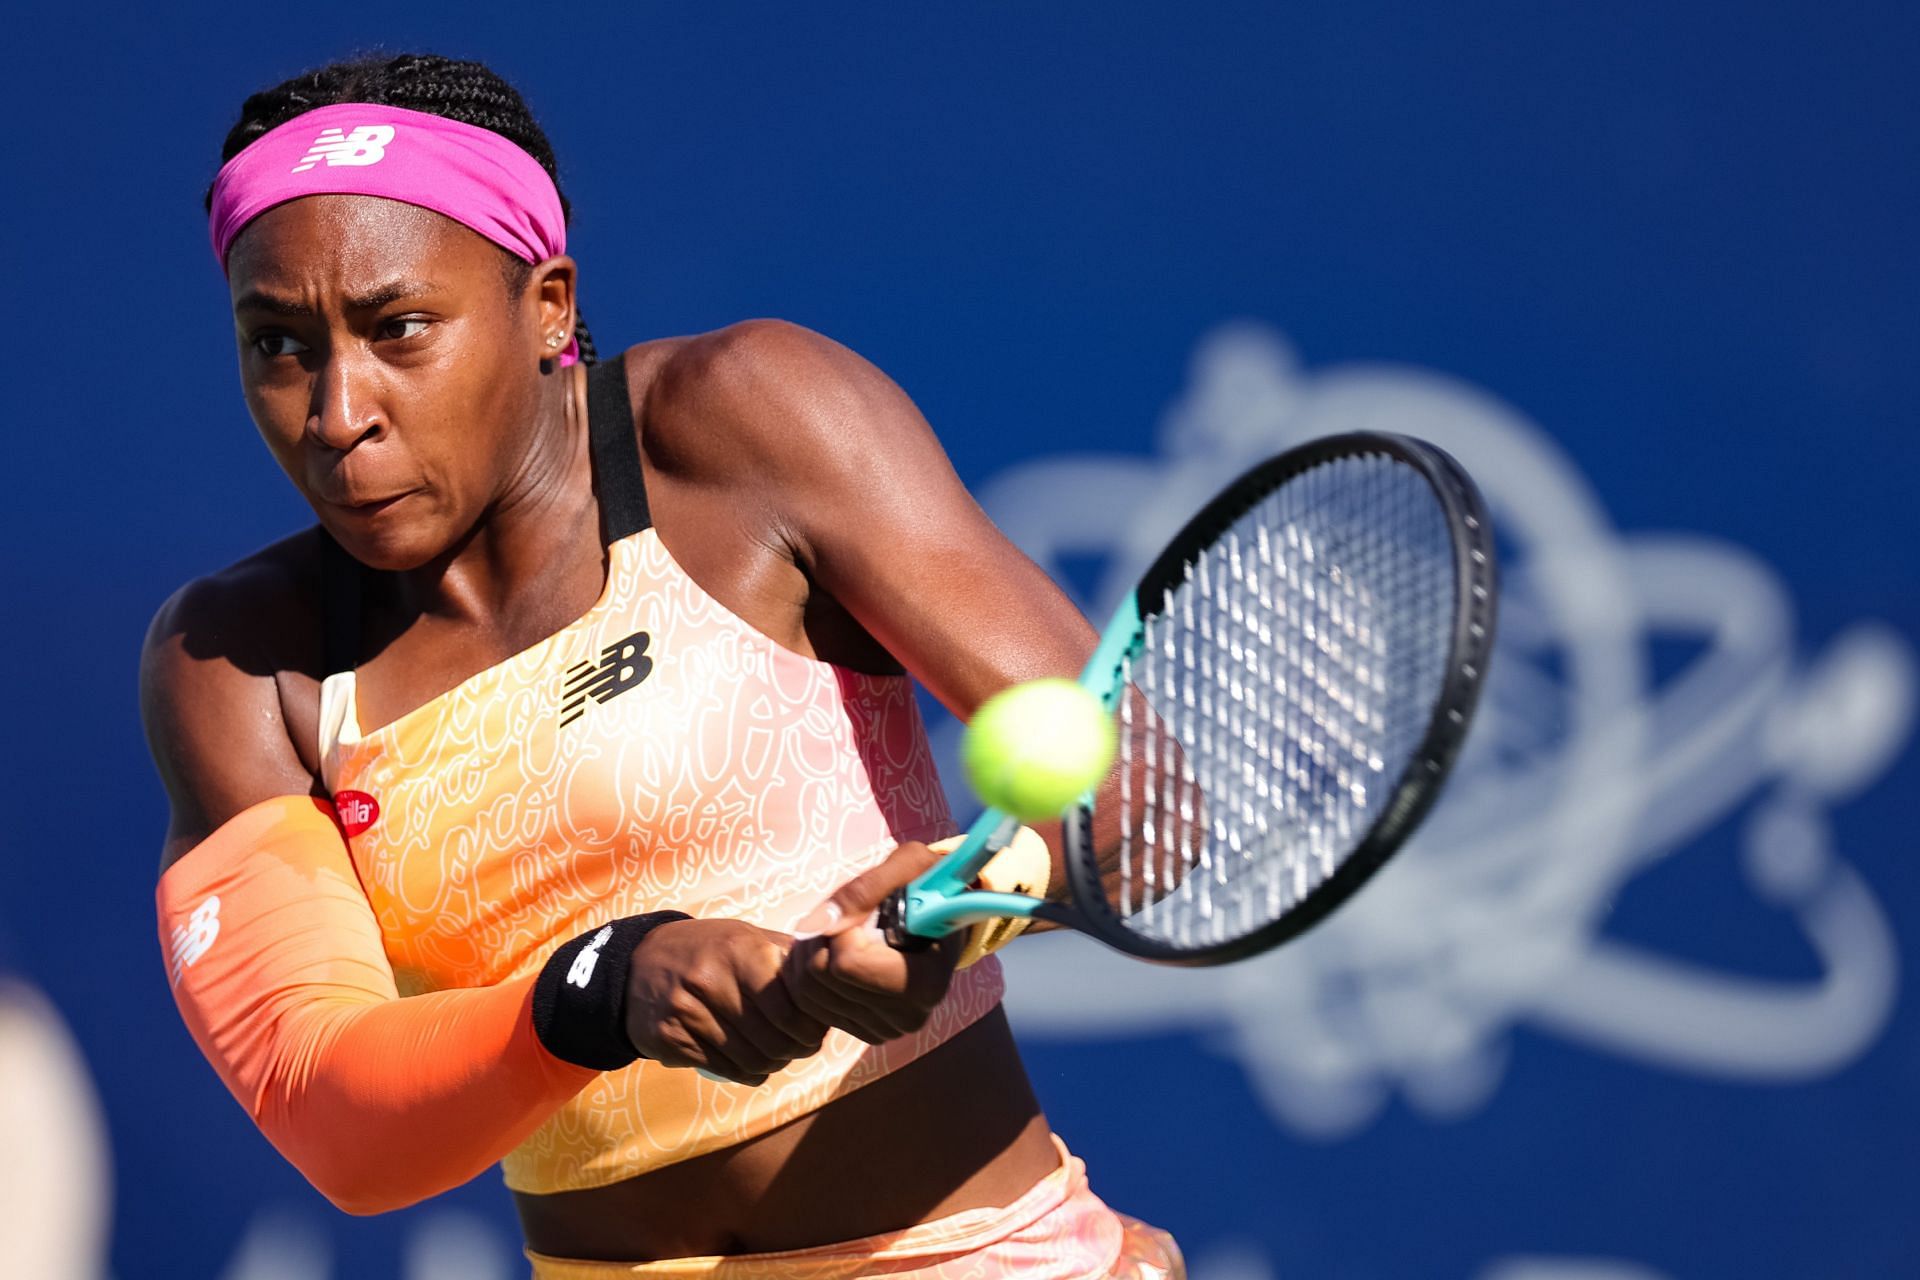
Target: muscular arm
x=851 y=477
x=211 y=677
x=273 y=953
x=841 y=471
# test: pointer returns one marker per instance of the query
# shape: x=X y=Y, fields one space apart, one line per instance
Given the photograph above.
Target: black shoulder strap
x=616 y=454
x=340 y=603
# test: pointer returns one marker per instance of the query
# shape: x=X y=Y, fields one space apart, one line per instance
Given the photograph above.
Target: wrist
x=580 y=997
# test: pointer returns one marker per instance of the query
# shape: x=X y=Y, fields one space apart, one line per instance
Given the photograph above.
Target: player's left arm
x=856 y=485
x=859 y=493
x=853 y=482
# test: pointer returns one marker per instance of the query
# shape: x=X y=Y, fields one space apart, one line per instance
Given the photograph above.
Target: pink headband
x=472 y=175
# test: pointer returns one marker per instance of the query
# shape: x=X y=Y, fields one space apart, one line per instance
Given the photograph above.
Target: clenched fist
x=847 y=976
x=715 y=994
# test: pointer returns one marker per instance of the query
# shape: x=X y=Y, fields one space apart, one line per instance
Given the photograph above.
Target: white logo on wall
x=191 y=940
x=365 y=145
x=1583 y=770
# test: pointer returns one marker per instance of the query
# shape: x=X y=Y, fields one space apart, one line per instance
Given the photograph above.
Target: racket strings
x=1275 y=699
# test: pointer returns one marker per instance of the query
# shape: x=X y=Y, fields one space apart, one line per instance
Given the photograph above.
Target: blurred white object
x=282 y=1244
x=1245 y=1260
x=56 y=1182
x=441 y=1244
x=1584 y=769
x=1232 y=1260
x=1533 y=1268
x=452 y=1245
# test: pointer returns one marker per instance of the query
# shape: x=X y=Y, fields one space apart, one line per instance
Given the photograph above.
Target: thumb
x=861 y=896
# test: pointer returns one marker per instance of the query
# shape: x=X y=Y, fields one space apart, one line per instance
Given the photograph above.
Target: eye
x=403 y=327
x=272 y=345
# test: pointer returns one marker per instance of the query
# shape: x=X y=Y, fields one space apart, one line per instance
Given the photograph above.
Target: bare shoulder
x=812 y=451
x=768 y=395
x=215 y=671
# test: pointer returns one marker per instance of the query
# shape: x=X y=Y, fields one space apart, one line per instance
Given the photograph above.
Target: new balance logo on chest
x=365 y=145
x=622 y=665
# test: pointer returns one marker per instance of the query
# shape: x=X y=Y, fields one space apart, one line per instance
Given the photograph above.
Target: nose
x=343 y=409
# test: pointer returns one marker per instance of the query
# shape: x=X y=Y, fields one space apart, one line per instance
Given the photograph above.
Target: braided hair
x=468 y=92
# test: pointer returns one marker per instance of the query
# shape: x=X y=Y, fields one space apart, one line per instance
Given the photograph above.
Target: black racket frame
x=1477 y=582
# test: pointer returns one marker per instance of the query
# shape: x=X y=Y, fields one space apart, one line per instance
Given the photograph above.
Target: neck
x=523 y=555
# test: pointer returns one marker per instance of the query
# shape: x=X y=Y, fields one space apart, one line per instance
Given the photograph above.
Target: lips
x=360 y=487
x=364 y=506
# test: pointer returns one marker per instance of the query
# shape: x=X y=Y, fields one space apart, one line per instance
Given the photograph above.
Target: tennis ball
x=1033 y=749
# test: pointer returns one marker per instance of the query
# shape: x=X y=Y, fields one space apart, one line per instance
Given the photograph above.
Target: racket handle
x=892 y=922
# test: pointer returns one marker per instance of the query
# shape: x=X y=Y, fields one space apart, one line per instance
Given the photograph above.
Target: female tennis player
x=573 y=747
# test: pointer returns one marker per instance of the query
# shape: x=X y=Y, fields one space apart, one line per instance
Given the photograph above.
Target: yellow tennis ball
x=1033 y=749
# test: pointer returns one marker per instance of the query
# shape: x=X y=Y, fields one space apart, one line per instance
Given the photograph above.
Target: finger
x=818 y=1001
x=843 y=1014
x=904 y=986
x=860 y=970
x=733 y=1060
x=696 y=1030
x=743 y=1045
x=760 y=1043
x=801 y=1029
x=860 y=897
x=677 y=1047
x=761 y=1010
x=729 y=1076
x=747 y=1045
x=671 y=1046
x=717 y=1078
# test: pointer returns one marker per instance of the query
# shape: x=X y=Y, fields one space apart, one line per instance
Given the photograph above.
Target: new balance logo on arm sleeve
x=191 y=940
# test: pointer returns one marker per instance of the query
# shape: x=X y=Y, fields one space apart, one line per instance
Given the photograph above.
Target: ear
x=551 y=288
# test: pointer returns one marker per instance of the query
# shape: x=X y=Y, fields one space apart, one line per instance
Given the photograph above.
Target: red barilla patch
x=357 y=810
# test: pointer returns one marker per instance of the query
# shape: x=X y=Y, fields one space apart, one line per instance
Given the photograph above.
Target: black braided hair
x=469 y=92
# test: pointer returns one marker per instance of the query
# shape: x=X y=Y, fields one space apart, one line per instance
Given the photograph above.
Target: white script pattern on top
x=709 y=770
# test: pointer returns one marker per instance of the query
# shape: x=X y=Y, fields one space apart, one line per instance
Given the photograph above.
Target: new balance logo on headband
x=365 y=145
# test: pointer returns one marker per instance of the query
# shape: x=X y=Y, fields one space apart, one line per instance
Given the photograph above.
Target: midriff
x=956 y=1129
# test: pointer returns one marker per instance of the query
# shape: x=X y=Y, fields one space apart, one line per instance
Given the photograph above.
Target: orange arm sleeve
x=276 y=962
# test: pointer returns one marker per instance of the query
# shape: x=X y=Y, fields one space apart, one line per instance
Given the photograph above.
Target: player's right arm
x=211 y=673
x=271 y=949
x=277 y=964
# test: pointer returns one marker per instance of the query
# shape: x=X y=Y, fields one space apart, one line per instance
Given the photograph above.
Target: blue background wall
x=1666 y=248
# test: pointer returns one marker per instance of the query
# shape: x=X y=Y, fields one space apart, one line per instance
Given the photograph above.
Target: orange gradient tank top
x=656 y=753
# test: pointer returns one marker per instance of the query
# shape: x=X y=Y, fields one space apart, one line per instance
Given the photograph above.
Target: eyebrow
x=256 y=300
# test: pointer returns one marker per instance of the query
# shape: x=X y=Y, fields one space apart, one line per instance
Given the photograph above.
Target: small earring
x=554 y=339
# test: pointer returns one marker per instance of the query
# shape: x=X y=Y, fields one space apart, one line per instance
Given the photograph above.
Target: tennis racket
x=1292 y=679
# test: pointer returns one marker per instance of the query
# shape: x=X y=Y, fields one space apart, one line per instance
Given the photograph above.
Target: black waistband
x=617 y=481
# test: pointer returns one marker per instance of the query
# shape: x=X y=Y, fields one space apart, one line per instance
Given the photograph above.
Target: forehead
x=342 y=240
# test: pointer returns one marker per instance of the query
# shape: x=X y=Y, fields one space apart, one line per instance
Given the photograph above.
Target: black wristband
x=580 y=997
